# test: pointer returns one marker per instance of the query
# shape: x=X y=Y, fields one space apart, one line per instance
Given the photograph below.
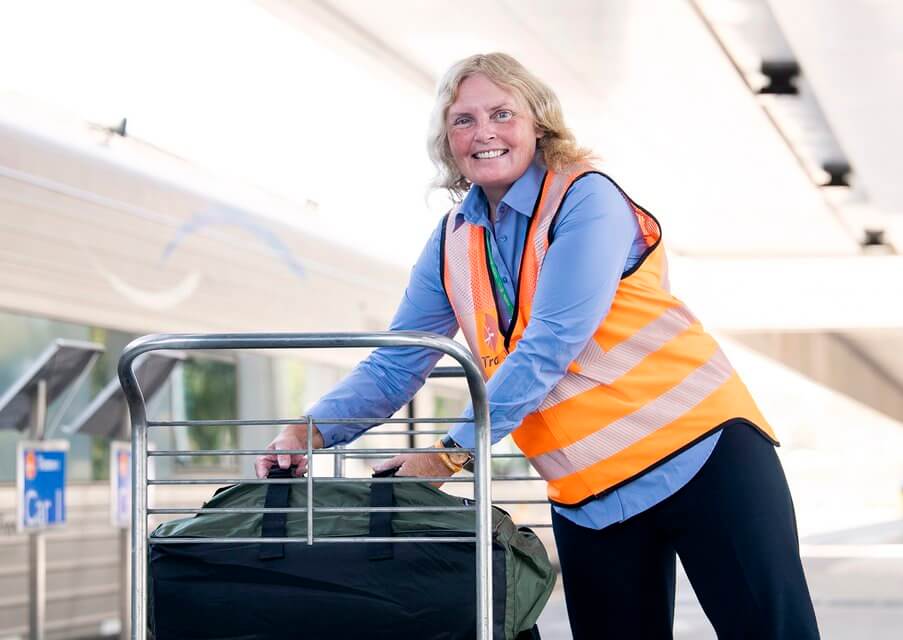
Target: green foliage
x=100 y=458
x=210 y=394
x=106 y=364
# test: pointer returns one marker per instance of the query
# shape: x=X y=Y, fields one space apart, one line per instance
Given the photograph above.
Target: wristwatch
x=463 y=458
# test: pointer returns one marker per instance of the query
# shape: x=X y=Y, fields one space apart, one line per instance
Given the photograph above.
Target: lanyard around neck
x=499 y=285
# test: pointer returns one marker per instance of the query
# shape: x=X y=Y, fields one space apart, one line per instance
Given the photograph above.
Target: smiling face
x=491 y=134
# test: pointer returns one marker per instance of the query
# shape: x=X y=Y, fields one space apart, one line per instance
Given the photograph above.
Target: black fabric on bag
x=207 y=591
x=273 y=524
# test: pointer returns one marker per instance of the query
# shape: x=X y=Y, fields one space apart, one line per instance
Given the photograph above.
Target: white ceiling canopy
x=650 y=87
x=852 y=56
x=823 y=72
x=644 y=84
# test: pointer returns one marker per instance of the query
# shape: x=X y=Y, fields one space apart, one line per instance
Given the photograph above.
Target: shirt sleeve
x=389 y=377
x=581 y=272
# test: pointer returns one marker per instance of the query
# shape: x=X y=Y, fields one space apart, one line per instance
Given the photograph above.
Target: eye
x=503 y=115
x=462 y=121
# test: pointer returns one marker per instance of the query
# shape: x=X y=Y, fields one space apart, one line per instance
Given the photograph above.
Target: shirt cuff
x=332 y=434
x=463 y=433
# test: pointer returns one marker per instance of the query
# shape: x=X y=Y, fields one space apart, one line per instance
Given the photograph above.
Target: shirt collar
x=521 y=196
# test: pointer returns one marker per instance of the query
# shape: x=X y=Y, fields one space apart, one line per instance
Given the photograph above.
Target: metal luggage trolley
x=250 y=341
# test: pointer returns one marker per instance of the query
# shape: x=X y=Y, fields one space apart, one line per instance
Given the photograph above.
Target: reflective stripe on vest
x=649 y=383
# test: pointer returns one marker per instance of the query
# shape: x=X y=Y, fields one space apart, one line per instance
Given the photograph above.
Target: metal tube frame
x=244 y=341
x=37 y=543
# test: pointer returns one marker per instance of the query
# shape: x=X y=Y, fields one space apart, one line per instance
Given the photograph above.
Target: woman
x=650 y=444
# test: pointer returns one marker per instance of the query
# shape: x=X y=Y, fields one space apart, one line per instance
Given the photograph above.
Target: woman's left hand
x=422 y=465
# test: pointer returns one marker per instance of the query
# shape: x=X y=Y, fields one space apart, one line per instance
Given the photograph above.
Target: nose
x=485 y=131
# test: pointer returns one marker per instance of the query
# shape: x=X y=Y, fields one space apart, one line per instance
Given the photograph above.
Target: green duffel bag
x=342 y=590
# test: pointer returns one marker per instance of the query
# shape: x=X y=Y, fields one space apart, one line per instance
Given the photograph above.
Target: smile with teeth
x=486 y=155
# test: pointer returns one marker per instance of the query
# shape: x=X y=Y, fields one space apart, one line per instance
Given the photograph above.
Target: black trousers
x=733 y=527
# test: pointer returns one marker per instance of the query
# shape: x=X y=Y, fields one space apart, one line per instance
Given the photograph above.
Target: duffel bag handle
x=382 y=494
x=272 y=525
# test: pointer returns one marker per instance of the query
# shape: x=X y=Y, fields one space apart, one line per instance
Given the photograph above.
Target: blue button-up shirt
x=596 y=239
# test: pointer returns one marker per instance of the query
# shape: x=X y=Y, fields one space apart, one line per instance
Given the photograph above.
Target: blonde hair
x=558 y=145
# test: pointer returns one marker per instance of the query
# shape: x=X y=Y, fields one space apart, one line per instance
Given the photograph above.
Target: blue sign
x=41 y=483
x=120 y=484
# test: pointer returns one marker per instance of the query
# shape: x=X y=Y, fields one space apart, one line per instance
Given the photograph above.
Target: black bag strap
x=382 y=494
x=529 y=634
x=273 y=524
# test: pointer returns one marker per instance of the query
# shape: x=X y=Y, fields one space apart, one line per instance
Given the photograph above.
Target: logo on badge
x=491 y=336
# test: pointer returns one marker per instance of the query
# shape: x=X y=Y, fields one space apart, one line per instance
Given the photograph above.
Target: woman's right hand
x=293 y=436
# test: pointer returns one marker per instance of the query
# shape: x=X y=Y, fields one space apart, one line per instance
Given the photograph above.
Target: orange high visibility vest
x=650 y=383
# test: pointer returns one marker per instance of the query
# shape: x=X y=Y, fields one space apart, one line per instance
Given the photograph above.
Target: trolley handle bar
x=447 y=372
x=396 y=479
x=261 y=452
x=155 y=540
x=302 y=420
x=255 y=510
x=354 y=453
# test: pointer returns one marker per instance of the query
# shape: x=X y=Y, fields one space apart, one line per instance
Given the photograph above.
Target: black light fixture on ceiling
x=838 y=173
x=120 y=129
x=873 y=238
x=780 y=74
x=874 y=242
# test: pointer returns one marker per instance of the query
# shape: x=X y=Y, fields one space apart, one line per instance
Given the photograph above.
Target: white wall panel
x=89 y=239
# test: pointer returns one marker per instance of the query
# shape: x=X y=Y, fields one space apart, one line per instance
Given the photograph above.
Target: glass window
x=210 y=393
x=448 y=406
